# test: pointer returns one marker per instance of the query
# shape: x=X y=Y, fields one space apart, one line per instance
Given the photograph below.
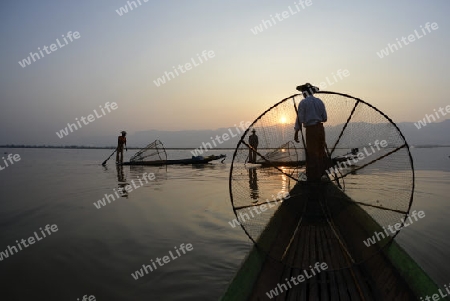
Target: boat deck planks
x=316 y=241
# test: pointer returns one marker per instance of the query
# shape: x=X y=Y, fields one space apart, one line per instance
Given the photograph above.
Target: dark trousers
x=316 y=157
x=119 y=152
x=252 y=154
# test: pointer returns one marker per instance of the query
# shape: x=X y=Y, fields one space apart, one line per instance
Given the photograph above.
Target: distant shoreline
x=167 y=148
x=99 y=147
x=428 y=146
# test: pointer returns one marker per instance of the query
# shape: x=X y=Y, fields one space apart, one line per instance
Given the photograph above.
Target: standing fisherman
x=312 y=114
x=121 y=143
x=253 y=141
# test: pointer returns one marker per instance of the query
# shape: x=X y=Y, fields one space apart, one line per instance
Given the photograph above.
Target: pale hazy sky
x=118 y=58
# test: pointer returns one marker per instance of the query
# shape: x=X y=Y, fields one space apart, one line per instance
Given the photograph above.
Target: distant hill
x=432 y=134
x=188 y=139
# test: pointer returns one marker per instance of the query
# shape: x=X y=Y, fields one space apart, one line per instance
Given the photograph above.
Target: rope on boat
x=295 y=233
x=347 y=255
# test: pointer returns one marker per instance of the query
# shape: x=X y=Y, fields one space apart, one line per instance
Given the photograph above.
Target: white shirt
x=311 y=111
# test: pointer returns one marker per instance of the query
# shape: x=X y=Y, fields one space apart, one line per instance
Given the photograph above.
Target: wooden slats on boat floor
x=311 y=239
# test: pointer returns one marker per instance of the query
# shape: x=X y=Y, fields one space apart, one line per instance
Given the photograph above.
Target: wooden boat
x=288 y=162
x=263 y=163
x=193 y=160
x=319 y=223
x=300 y=233
x=300 y=163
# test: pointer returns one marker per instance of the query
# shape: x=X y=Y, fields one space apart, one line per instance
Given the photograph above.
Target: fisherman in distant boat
x=311 y=114
x=253 y=141
x=121 y=143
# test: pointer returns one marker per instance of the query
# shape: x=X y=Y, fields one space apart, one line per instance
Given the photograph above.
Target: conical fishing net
x=284 y=153
x=155 y=151
x=360 y=204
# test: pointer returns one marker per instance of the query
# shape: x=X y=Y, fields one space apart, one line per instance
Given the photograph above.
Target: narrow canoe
x=198 y=160
x=305 y=237
x=267 y=163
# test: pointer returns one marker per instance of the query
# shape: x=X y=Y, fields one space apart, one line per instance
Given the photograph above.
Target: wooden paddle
x=104 y=162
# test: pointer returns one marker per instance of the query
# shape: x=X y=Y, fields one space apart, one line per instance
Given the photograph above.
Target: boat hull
x=204 y=160
x=295 y=238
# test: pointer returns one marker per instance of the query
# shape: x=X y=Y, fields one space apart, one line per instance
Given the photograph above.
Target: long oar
x=301 y=131
x=104 y=162
x=336 y=177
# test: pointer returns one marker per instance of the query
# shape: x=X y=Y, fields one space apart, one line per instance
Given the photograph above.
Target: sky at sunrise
x=188 y=65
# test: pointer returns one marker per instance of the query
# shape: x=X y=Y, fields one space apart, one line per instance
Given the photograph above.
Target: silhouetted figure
x=253 y=141
x=122 y=181
x=311 y=114
x=120 y=174
x=121 y=143
x=253 y=183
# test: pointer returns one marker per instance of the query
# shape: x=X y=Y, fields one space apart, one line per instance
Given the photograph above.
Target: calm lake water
x=95 y=251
